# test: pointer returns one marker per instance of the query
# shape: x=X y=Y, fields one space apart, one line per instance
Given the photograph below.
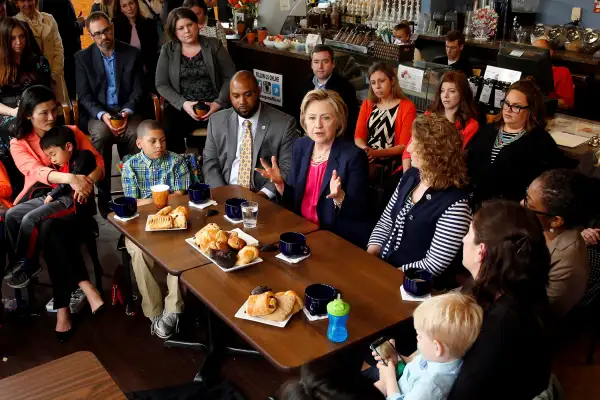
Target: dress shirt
x=140 y=173
x=235 y=166
x=112 y=98
x=320 y=85
x=424 y=379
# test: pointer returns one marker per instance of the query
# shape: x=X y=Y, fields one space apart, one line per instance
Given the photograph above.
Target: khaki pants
x=143 y=267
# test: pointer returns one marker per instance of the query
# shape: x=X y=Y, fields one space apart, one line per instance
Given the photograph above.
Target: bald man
x=240 y=136
x=564 y=90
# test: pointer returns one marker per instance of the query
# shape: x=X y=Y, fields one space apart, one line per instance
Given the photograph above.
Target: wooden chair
x=159 y=110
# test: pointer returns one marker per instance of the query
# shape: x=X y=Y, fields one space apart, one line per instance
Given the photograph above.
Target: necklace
x=320 y=158
x=501 y=141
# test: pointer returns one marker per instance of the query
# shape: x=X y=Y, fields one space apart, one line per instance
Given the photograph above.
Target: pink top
x=35 y=165
x=135 y=38
x=312 y=190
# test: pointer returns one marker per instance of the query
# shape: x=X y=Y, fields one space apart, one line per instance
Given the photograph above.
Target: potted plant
x=247 y=7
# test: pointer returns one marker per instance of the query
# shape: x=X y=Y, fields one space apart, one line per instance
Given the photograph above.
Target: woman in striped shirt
x=504 y=158
x=429 y=214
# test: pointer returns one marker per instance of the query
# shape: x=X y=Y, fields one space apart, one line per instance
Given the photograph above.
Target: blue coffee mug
x=199 y=193
x=124 y=207
x=417 y=282
x=293 y=244
x=233 y=207
x=317 y=296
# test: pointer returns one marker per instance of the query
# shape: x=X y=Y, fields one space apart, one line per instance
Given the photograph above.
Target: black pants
x=179 y=125
x=59 y=242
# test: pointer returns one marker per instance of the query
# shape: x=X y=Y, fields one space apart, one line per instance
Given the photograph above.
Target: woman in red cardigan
x=58 y=238
x=384 y=124
x=454 y=100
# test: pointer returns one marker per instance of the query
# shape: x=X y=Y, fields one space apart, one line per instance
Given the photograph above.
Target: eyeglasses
x=534 y=210
x=513 y=107
x=104 y=32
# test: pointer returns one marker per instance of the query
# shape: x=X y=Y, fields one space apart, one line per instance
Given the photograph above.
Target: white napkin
x=409 y=297
x=291 y=260
x=313 y=317
x=202 y=206
x=126 y=219
x=233 y=221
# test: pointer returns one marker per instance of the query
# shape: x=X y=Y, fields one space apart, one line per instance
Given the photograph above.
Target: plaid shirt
x=140 y=173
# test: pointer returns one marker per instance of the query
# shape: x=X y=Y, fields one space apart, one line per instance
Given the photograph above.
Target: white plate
x=190 y=241
x=242 y=315
x=160 y=230
x=250 y=241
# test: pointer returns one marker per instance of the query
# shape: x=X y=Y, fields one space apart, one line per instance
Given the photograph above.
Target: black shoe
x=64 y=336
x=21 y=278
x=14 y=268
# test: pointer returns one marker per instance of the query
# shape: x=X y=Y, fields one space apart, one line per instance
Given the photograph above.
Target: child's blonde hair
x=453 y=319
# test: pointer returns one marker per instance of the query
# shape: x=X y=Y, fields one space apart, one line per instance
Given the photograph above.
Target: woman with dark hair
x=505 y=157
x=20 y=67
x=191 y=69
x=429 y=213
x=385 y=120
x=564 y=201
x=36 y=116
x=208 y=26
x=505 y=252
x=453 y=99
x=138 y=31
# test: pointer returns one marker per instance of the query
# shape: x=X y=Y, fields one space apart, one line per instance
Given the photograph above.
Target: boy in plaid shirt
x=154 y=165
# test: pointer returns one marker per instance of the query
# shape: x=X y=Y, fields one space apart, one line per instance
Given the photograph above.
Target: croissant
x=221 y=236
x=299 y=303
x=179 y=222
x=160 y=222
x=180 y=211
x=246 y=255
x=217 y=245
x=165 y=211
x=261 y=304
x=285 y=306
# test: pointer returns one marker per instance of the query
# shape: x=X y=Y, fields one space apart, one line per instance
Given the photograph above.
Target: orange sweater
x=404 y=119
x=5 y=188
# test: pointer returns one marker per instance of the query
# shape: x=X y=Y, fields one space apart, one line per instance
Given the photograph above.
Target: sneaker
x=14 y=268
x=78 y=300
x=21 y=278
x=153 y=321
x=167 y=325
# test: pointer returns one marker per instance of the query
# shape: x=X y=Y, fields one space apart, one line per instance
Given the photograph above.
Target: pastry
x=222 y=236
x=261 y=304
x=285 y=305
x=180 y=211
x=160 y=222
x=299 y=303
x=218 y=246
x=235 y=242
x=260 y=289
x=165 y=211
x=224 y=258
x=179 y=221
x=246 y=255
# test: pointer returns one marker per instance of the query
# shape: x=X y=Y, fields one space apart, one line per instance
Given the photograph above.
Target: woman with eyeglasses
x=505 y=157
x=563 y=201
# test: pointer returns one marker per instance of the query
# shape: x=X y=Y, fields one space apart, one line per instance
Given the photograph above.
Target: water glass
x=250 y=214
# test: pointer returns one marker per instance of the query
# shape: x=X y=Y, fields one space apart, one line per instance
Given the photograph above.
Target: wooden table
x=76 y=376
x=171 y=252
x=371 y=286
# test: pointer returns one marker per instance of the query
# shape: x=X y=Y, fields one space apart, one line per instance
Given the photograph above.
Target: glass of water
x=250 y=214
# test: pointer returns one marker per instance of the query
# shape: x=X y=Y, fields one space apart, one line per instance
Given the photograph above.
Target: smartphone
x=385 y=350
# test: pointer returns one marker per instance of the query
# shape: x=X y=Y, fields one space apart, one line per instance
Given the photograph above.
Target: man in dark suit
x=70 y=27
x=455 y=43
x=239 y=137
x=322 y=64
x=109 y=85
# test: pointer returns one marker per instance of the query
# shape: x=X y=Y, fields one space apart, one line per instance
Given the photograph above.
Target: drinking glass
x=249 y=214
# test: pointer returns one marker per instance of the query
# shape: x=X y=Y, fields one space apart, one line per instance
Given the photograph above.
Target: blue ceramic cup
x=124 y=207
x=317 y=296
x=293 y=244
x=199 y=193
x=233 y=207
x=417 y=282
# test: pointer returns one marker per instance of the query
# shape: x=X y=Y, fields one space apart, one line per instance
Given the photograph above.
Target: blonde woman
x=45 y=31
x=328 y=183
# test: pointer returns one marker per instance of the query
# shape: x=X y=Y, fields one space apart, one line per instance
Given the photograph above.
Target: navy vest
x=421 y=220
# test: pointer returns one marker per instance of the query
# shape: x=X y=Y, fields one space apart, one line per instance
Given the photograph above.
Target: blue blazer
x=351 y=221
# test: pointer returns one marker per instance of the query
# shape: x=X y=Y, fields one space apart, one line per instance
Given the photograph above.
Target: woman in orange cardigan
x=384 y=124
x=5 y=203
